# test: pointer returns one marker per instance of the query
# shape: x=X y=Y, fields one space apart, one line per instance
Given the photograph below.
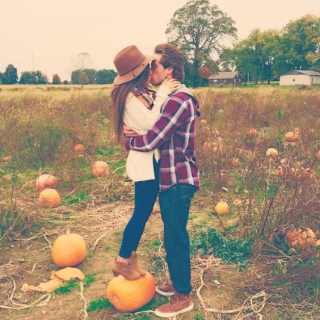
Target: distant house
x=225 y=78
x=300 y=77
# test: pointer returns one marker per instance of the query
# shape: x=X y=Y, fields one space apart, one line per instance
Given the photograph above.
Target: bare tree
x=81 y=62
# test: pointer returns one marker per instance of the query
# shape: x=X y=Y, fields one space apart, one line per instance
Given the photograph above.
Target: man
x=174 y=135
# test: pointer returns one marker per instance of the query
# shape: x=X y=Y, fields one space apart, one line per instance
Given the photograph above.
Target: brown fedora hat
x=130 y=62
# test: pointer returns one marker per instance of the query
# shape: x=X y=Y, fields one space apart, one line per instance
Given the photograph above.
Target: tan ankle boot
x=125 y=269
x=134 y=264
x=180 y=303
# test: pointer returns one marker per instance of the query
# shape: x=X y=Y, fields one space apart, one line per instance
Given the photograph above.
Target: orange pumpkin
x=78 y=148
x=100 y=169
x=272 y=152
x=221 y=208
x=7 y=159
x=291 y=136
x=46 y=181
x=235 y=162
x=252 y=132
x=207 y=145
x=298 y=238
x=130 y=295
x=68 y=250
x=49 y=198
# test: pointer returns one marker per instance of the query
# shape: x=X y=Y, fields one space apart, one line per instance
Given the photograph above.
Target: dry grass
x=40 y=126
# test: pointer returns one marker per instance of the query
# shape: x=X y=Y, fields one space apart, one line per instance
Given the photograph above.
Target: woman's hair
x=171 y=57
x=119 y=96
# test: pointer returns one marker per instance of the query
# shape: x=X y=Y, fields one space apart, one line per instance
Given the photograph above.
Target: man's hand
x=128 y=132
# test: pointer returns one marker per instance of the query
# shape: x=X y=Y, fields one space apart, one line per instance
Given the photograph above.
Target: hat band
x=142 y=64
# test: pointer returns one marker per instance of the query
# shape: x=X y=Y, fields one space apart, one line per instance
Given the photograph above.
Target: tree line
x=208 y=38
x=80 y=76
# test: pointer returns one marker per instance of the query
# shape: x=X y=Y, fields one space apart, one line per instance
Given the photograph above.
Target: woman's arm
x=139 y=118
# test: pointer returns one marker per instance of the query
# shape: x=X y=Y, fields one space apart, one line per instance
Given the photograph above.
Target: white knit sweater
x=139 y=165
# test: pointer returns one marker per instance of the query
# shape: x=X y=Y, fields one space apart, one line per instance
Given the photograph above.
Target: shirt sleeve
x=175 y=112
x=138 y=117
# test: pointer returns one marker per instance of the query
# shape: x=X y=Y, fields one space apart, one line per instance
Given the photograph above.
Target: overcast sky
x=47 y=35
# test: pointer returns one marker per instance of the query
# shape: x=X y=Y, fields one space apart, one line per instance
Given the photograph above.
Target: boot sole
x=172 y=314
x=163 y=293
x=117 y=273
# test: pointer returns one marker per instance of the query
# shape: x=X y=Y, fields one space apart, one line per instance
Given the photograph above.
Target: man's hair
x=171 y=57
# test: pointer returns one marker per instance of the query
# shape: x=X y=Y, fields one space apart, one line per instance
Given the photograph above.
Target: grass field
x=245 y=251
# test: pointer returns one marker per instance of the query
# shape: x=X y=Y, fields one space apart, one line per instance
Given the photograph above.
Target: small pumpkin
x=78 y=148
x=252 y=132
x=46 y=181
x=207 y=145
x=49 y=198
x=100 y=169
x=298 y=238
x=130 y=295
x=235 y=162
x=7 y=159
x=221 y=208
x=291 y=136
x=68 y=250
x=272 y=152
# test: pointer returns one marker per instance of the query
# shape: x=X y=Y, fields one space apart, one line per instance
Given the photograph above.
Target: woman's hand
x=172 y=84
x=128 y=132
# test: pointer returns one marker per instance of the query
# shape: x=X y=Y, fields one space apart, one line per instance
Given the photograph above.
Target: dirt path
x=28 y=260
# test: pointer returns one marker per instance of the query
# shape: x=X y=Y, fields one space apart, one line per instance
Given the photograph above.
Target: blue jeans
x=145 y=195
x=175 y=207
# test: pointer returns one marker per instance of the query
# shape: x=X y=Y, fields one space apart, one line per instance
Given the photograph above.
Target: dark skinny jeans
x=145 y=195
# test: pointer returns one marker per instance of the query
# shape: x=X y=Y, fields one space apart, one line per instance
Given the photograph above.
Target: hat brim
x=133 y=73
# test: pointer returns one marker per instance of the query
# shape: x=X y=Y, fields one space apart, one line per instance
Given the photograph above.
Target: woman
x=138 y=107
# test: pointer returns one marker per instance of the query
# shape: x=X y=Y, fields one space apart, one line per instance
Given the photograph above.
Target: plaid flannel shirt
x=174 y=135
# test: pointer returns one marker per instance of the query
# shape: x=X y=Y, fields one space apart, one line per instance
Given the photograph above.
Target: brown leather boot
x=134 y=264
x=180 y=303
x=125 y=270
x=165 y=289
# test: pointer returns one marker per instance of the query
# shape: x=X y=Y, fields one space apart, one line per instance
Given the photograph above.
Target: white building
x=300 y=77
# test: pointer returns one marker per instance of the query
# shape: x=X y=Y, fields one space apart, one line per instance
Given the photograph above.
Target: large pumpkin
x=68 y=250
x=130 y=295
x=49 y=198
x=100 y=169
x=46 y=181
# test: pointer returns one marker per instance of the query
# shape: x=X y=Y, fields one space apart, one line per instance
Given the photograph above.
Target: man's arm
x=175 y=112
